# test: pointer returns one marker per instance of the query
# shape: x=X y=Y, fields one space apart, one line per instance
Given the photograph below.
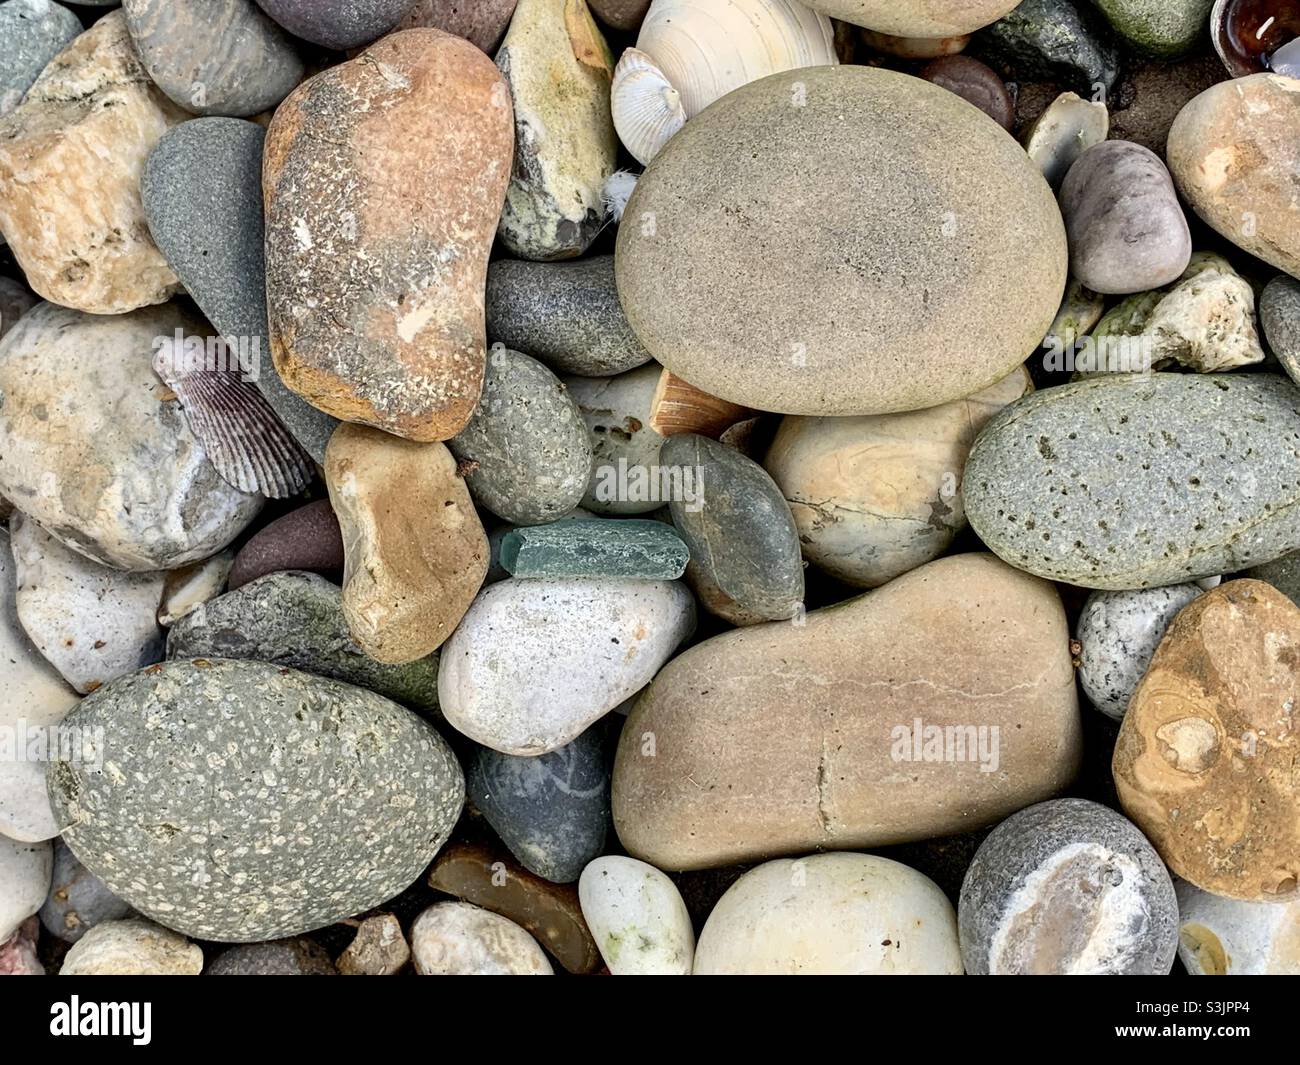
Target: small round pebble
x=307 y=539
x=637 y=917
x=132 y=948
x=976 y=83
x=284 y=957
x=78 y=899
x=459 y=939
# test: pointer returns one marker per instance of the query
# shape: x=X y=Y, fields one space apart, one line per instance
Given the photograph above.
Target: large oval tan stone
x=916 y=18
x=1207 y=762
x=841 y=240
x=939 y=703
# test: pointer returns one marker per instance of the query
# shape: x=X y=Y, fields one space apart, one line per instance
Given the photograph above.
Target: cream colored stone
x=637 y=917
x=132 y=948
x=458 y=939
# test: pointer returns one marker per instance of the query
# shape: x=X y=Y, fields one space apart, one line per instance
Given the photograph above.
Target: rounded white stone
x=458 y=939
x=132 y=948
x=25 y=872
x=1228 y=937
x=637 y=917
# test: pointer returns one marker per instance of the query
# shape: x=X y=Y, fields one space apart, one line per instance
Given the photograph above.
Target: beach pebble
x=1134 y=481
x=745 y=564
x=18 y=953
x=534 y=663
x=1118 y=633
x=188 y=588
x=1126 y=228
x=761 y=741
x=32 y=32
x=1236 y=159
x=78 y=899
x=526 y=449
x=214 y=58
x=337 y=24
x=625 y=471
x=383 y=179
x=25 y=870
x=1205 y=760
x=1226 y=937
x=637 y=917
x=1067 y=887
x=415 y=550
x=307 y=538
x=132 y=948
x=207 y=221
x=559 y=69
x=875 y=496
x=481 y=22
x=379 y=949
x=284 y=957
x=1065 y=130
x=1062 y=41
x=457 y=939
x=915 y=273
x=837 y=914
x=916 y=18
x=623 y=15
x=974 y=82
x=565 y=314
x=497 y=538
x=296 y=619
x=647 y=550
x=368 y=797
x=70 y=160
x=1165 y=29
x=1279 y=315
x=550 y=811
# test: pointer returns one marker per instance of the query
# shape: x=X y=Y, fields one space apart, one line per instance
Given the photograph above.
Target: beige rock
x=916 y=18
x=415 y=553
x=132 y=948
x=379 y=949
x=937 y=704
x=1206 y=758
x=1235 y=156
x=457 y=939
x=70 y=160
x=878 y=495
x=383 y=180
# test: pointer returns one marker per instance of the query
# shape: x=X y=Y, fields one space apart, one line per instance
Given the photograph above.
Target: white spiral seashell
x=647 y=109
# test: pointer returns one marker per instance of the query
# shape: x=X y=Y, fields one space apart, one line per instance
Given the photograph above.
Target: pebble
x=559 y=69
x=307 y=538
x=285 y=957
x=535 y=663
x=78 y=900
x=379 y=949
x=549 y=912
x=295 y=619
x=483 y=23
x=785 y=754
x=367 y=799
x=1279 y=316
x=25 y=870
x=214 y=58
x=132 y=948
x=1165 y=29
x=18 y=953
x=32 y=32
x=1126 y=229
x=457 y=939
x=207 y=221
x=875 y=496
x=1282 y=573
x=565 y=314
x=974 y=82
x=1063 y=41
x=188 y=588
x=1235 y=157
x=526 y=450
x=1067 y=887
x=70 y=161
x=415 y=550
x=915 y=273
x=1206 y=756
x=1154 y=94
x=91 y=623
x=1065 y=130
x=15 y=301
x=625 y=15
x=375 y=270
x=646 y=550
x=550 y=811
x=835 y=914
x=745 y=564
x=497 y=537
x=118 y=476
x=1225 y=937
x=637 y=917
x=626 y=477
x=1118 y=634
x=337 y=24
x=916 y=18
x=1133 y=481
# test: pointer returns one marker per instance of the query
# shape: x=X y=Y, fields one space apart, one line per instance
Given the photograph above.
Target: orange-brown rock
x=1207 y=762
x=384 y=179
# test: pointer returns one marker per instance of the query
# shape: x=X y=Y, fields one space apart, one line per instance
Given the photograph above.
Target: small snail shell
x=647 y=109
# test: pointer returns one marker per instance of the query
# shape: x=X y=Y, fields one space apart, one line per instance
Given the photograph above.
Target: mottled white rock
x=458 y=939
x=132 y=948
x=1228 y=937
x=25 y=871
x=830 y=914
x=91 y=623
x=637 y=917
x=1118 y=633
x=188 y=588
x=617 y=412
x=1069 y=126
x=534 y=662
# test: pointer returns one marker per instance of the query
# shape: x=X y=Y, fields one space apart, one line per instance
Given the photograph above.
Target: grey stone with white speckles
x=242 y=802
x=284 y=957
x=1110 y=899
x=1279 y=314
x=1119 y=632
x=292 y=618
x=1138 y=481
x=32 y=32
x=552 y=811
x=78 y=899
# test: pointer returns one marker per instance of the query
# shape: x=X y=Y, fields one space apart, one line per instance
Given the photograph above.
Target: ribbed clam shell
x=647 y=109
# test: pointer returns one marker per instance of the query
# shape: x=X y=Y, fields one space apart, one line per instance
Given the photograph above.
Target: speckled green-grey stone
x=240 y=801
x=1066 y=41
x=1164 y=29
x=526 y=450
x=746 y=564
x=602 y=548
x=1279 y=315
x=1137 y=481
x=292 y=618
x=1282 y=573
x=32 y=32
